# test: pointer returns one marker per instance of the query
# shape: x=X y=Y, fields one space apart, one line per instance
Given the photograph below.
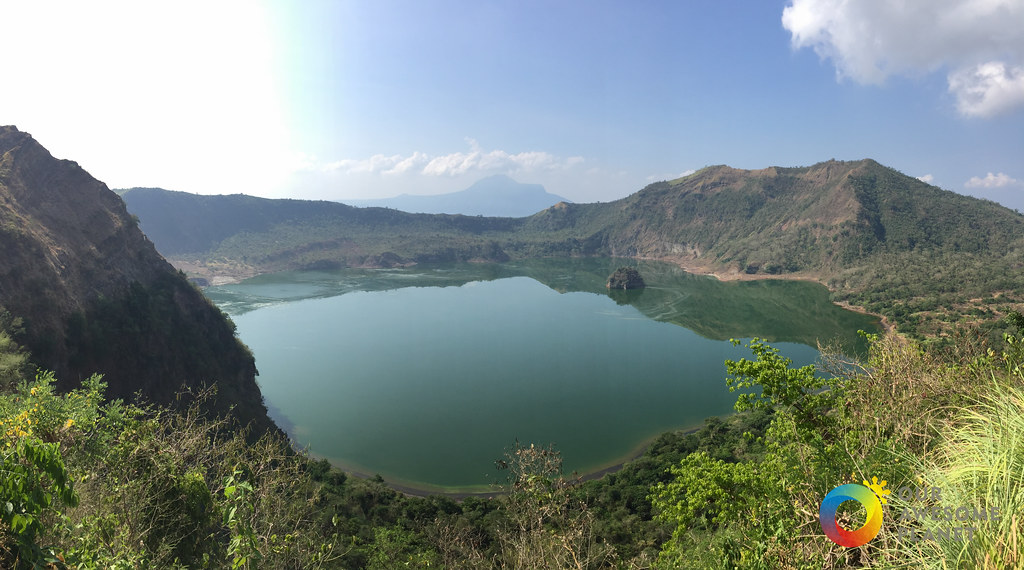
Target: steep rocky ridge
x=97 y=297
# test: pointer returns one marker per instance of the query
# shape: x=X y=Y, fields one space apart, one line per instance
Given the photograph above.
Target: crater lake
x=427 y=374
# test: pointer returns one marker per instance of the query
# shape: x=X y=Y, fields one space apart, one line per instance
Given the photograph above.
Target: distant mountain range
x=498 y=196
x=878 y=238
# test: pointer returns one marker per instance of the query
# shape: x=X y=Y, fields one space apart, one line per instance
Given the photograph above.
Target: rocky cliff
x=97 y=297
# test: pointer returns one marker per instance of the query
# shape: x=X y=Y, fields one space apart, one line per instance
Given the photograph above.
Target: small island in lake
x=626 y=278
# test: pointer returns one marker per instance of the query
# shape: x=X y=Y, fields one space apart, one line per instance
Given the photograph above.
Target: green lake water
x=426 y=375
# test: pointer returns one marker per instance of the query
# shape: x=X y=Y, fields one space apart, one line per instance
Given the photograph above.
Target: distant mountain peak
x=502 y=177
x=495 y=196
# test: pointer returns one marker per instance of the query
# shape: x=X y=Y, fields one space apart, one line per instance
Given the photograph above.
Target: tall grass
x=979 y=463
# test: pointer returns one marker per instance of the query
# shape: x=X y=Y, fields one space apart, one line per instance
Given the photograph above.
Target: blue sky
x=593 y=99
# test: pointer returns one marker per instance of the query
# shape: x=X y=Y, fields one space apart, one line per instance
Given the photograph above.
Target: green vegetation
x=626 y=278
x=88 y=481
x=911 y=417
x=14 y=364
x=90 y=484
x=95 y=483
x=151 y=333
x=981 y=460
x=925 y=258
x=93 y=295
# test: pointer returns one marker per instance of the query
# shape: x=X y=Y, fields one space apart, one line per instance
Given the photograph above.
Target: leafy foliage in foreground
x=107 y=485
x=915 y=418
x=130 y=487
x=89 y=483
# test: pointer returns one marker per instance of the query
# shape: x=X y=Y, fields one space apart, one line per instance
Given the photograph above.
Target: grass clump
x=979 y=467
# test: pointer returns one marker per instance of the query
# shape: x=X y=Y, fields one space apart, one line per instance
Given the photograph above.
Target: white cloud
x=978 y=41
x=377 y=164
x=990 y=180
x=927 y=178
x=408 y=163
x=475 y=161
x=496 y=161
x=659 y=177
x=988 y=90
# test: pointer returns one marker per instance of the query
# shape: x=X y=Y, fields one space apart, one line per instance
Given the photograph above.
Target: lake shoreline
x=599 y=469
x=410 y=490
x=693 y=267
x=207 y=274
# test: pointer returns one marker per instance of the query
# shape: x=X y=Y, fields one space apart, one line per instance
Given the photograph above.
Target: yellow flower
x=69 y=423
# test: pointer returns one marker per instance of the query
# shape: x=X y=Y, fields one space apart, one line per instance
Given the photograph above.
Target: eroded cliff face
x=65 y=234
x=97 y=297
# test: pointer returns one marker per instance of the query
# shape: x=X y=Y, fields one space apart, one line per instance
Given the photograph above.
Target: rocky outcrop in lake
x=626 y=278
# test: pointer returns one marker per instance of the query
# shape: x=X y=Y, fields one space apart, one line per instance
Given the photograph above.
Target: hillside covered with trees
x=894 y=245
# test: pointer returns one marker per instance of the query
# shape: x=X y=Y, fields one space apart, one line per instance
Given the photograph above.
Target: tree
x=800 y=390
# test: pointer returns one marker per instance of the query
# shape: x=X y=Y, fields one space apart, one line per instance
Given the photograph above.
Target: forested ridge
x=893 y=245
